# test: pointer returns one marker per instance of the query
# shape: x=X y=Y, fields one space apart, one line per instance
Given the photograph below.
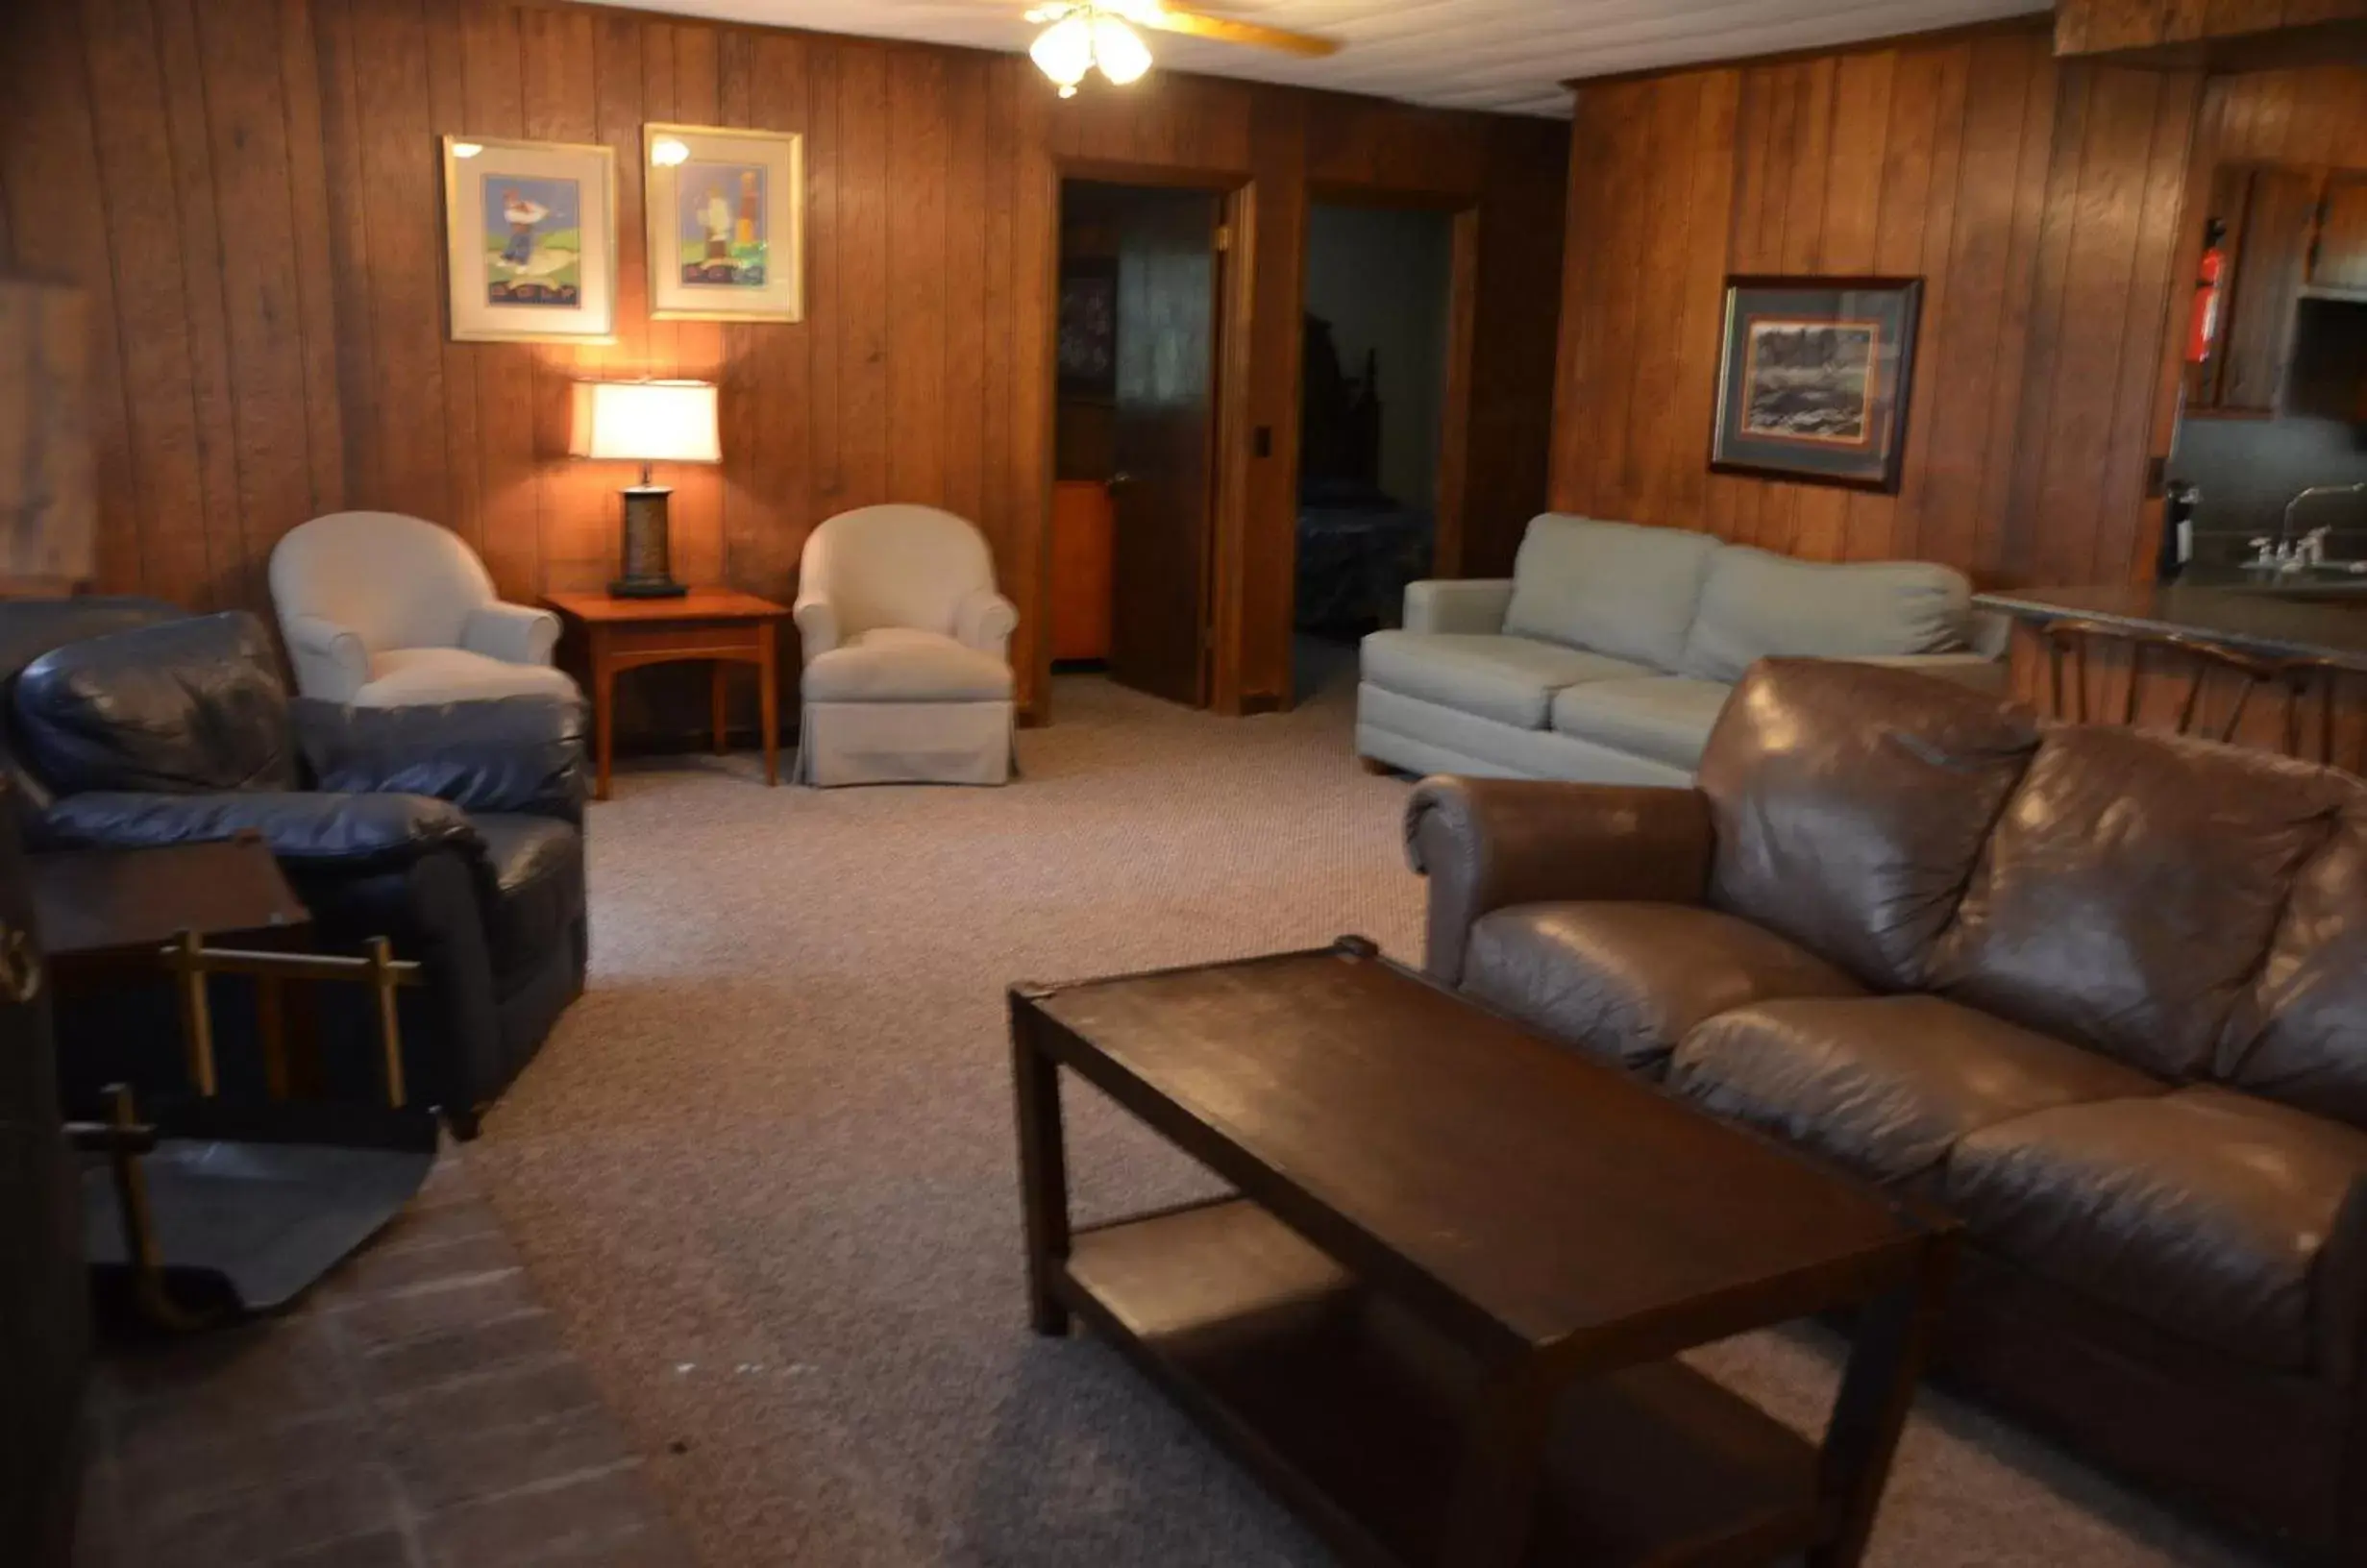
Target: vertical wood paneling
x=200 y=220
x=865 y=264
x=916 y=299
x=509 y=502
x=2040 y=207
x=266 y=261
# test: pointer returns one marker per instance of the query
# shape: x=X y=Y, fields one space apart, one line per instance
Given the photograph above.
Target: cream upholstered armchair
x=908 y=652
x=384 y=610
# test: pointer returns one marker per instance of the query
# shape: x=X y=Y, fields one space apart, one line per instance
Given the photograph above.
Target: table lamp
x=644 y=423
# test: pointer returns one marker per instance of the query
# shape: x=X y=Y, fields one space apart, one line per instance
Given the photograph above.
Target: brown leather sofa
x=2100 y=993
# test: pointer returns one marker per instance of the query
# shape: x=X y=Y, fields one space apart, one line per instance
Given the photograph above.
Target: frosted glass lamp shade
x=646 y=422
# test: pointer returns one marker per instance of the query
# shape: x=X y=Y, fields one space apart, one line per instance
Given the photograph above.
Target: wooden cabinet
x=1080 y=569
x=2338 y=255
x=2291 y=231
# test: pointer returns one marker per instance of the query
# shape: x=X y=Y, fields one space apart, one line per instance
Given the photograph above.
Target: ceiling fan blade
x=1226 y=30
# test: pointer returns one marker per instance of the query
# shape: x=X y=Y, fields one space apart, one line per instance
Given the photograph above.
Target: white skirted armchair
x=907 y=652
x=384 y=611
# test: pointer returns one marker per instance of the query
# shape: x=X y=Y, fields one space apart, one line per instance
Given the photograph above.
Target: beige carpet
x=764 y=1171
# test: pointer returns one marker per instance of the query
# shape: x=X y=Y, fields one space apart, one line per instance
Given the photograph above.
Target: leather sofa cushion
x=1885 y=1085
x=2300 y=1034
x=2209 y=1213
x=1667 y=718
x=901 y=664
x=1616 y=588
x=1628 y=981
x=1509 y=679
x=1851 y=803
x=536 y=864
x=2131 y=887
x=179 y=707
x=404 y=676
x=1756 y=604
x=512 y=754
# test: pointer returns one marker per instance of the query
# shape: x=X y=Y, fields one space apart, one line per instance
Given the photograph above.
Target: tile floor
x=416 y=1410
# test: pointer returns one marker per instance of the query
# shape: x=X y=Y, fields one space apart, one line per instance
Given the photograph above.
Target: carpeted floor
x=764 y=1172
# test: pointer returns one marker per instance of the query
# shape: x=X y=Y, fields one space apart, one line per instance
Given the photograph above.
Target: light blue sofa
x=1606 y=657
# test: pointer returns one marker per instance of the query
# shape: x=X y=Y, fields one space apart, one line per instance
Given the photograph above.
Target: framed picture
x=530 y=240
x=1089 y=327
x=725 y=214
x=1814 y=377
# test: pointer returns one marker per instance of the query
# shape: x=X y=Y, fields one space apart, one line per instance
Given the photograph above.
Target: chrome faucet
x=2285 y=529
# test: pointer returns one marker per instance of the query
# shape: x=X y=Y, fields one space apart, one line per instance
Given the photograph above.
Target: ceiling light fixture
x=1084 y=35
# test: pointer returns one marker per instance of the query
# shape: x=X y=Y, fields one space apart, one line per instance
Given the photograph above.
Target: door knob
x=1122 y=476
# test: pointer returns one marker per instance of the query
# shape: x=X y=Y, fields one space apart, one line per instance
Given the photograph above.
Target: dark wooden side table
x=1439 y=1312
x=720 y=625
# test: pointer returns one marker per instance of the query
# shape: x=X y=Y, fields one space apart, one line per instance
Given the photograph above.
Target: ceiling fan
x=1086 y=34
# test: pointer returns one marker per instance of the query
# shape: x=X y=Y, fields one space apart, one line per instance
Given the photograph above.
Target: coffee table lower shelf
x=1354 y=1412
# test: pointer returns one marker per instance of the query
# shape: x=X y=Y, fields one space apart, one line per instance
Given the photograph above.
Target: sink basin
x=2313 y=590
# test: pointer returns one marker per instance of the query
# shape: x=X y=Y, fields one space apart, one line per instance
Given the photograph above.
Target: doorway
x=1378 y=341
x=1134 y=433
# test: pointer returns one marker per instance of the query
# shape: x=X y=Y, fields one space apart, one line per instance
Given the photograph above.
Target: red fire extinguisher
x=2203 y=324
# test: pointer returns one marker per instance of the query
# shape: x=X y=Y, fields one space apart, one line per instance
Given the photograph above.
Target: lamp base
x=646 y=575
x=647 y=588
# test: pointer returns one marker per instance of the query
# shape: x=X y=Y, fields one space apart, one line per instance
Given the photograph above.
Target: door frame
x=1462 y=212
x=1450 y=484
x=1221 y=609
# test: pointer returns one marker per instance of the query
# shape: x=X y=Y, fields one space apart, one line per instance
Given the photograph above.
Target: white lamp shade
x=1064 y=52
x=1119 y=51
x=646 y=422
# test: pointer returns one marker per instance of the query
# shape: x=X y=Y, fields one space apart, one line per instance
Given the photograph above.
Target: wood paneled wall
x=2039 y=201
x=252 y=193
x=2084 y=27
x=2315 y=115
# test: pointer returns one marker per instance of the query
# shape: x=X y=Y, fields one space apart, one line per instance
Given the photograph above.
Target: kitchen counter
x=2311 y=619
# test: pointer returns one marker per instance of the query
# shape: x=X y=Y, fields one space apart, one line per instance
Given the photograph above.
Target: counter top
x=2280 y=622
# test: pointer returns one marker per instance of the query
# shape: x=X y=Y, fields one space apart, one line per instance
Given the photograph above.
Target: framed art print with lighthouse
x=724 y=210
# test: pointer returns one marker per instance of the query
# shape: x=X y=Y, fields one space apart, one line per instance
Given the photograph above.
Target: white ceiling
x=1506 y=55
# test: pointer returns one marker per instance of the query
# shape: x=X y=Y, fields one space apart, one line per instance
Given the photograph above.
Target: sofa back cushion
x=1851 y=803
x=1616 y=588
x=179 y=707
x=1758 y=605
x=2130 y=890
x=2299 y=1034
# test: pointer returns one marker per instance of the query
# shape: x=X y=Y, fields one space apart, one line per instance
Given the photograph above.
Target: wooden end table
x=720 y=624
x=1439 y=1312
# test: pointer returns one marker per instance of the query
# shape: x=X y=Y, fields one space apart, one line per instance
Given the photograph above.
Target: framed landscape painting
x=1813 y=379
x=530 y=240
x=725 y=214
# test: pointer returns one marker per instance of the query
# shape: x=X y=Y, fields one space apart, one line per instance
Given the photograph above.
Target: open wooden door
x=1162 y=487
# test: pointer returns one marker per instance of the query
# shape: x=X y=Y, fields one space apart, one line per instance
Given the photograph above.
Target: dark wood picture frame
x=1891 y=383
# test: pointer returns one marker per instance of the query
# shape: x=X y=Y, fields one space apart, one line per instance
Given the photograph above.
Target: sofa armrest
x=1978 y=671
x=512 y=633
x=330 y=663
x=817 y=626
x=303 y=828
x=1488 y=844
x=1467 y=605
x=509 y=753
x=984 y=619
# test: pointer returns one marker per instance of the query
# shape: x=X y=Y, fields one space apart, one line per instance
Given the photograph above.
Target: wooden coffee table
x=1439 y=1314
x=720 y=625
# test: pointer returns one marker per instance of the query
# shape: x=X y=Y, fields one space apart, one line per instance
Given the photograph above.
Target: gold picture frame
x=530 y=240
x=724 y=214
